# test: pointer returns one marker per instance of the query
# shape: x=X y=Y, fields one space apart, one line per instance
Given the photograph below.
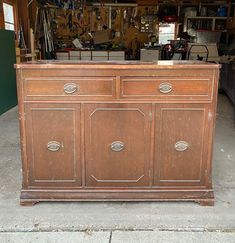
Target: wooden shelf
x=201 y=18
x=191 y=2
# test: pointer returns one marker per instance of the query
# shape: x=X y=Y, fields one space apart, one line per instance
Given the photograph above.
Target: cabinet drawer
x=100 y=54
x=170 y=88
x=85 y=53
x=117 y=54
x=62 y=55
x=72 y=88
x=99 y=58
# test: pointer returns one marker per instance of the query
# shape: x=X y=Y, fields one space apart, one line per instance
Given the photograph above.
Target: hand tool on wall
x=70 y=21
x=22 y=44
x=49 y=46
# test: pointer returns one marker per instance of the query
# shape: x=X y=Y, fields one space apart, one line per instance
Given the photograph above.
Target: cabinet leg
x=209 y=202
x=28 y=203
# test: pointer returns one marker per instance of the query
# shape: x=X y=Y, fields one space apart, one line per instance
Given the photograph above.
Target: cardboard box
x=102 y=36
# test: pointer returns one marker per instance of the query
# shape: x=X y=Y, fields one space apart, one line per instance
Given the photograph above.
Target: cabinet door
x=181 y=145
x=117 y=144
x=53 y=145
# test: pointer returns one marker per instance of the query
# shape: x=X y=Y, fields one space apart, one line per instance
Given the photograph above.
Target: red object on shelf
x=170 y=18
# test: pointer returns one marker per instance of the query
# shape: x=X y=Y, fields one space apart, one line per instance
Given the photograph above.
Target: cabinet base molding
x=28 y=203
x=31 y=197
x=207 y=202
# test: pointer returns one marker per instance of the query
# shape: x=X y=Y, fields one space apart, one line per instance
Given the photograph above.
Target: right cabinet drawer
x=170 y=88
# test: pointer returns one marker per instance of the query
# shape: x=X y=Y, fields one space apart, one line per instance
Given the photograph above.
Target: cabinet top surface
x=54 y=64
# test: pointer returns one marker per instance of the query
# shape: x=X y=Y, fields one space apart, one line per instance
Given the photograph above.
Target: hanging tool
x=49 y=46
x=30 y=2
x=70 y=21
x=22 y=44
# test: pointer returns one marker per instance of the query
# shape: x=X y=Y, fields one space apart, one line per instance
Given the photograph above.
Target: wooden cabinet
x=117 y=131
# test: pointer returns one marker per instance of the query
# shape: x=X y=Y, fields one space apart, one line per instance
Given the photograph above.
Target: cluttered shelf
x=138 y=30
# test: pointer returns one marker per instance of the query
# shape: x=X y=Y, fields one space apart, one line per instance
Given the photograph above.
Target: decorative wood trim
x=117 y=181
x=82 y=140
x=203 y=197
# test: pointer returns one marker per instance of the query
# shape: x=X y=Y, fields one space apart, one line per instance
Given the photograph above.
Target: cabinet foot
x=28 y=203
x=208 y=202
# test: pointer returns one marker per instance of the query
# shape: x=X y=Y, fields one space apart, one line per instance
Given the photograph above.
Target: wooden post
x=2 y=25
x=23 y=16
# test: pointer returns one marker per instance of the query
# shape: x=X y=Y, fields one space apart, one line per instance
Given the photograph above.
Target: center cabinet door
x=117 y=144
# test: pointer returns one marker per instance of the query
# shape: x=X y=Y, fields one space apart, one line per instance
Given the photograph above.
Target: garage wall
x=7 y=72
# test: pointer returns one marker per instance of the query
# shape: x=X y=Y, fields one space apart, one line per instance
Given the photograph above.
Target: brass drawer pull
x=70 y=88
x=53 y=146
x=117 y=146
x=181 y=146
x=165 y=88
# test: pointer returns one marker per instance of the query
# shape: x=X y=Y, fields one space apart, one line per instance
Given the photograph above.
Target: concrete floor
x=119 y=222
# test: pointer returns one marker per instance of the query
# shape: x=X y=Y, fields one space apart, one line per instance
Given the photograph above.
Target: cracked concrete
x=127 y=217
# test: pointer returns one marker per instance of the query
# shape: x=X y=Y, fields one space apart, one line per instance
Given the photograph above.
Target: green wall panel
x=8 y=98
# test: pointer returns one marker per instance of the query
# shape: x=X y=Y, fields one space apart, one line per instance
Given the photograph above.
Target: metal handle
x=53 y=146
x=70 y=88
x=181 y=146
x=117 y=146
x=165 y=88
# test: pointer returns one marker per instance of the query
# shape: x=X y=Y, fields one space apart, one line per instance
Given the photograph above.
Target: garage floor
x=119 y=222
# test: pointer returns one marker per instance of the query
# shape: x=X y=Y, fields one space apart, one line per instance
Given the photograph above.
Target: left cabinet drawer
x=69 y=89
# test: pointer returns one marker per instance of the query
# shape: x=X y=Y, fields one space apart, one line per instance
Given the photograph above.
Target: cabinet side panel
x=21 y=117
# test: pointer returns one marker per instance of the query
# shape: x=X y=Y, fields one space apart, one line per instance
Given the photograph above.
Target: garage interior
x=102 y=31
